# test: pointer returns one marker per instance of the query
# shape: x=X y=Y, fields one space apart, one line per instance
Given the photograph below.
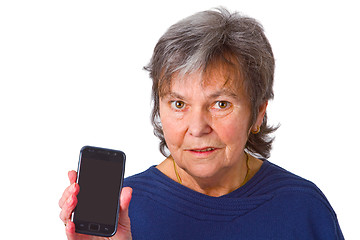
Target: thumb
x=124 y=220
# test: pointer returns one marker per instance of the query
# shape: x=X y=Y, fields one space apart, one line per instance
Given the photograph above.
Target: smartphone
x=100 y=177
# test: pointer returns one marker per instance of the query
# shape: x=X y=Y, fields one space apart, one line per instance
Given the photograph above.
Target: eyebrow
x=174 y=95
x=216 y=94
x=224 y=92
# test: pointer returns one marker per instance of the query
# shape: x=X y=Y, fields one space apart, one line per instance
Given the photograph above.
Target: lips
x=202 y=150
x=208 y=149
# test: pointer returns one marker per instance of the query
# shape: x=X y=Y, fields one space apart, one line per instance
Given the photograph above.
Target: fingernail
x=66 y=225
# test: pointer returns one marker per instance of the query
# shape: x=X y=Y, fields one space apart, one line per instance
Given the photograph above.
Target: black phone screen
x=100 y=177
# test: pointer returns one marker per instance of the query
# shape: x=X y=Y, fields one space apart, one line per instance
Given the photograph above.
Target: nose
x=199 y=123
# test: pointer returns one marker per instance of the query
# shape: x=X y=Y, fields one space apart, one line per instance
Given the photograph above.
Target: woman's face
x=205 y=123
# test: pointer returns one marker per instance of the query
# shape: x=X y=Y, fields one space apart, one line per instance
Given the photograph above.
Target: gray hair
x=195 y=42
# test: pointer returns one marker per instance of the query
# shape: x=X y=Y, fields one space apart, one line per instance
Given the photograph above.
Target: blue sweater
x=274 y=204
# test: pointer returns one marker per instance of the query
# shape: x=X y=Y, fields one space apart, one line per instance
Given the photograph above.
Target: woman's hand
x=68 y=202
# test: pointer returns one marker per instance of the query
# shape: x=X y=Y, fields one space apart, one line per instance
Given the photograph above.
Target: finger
x=125 y=198
x=72 y=189
x=72 y=176
x=68 y=208
x=70 y=230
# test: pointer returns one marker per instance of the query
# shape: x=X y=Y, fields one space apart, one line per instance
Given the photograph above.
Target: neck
x=224 y=182
x=210 y=188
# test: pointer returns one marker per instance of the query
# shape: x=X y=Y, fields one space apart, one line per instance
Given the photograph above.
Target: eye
x=222 y=105
x=178 y=105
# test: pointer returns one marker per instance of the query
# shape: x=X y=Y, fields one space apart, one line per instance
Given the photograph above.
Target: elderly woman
x=212 y=78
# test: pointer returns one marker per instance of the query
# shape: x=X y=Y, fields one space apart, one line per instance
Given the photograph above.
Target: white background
x=71 y=75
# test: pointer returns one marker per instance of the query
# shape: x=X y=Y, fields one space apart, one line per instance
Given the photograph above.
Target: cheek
x=233 y=131
x=173 y=133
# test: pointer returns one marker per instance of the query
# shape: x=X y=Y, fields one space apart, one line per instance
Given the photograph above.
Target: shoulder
x=274 y=179
x=299 y=201
x=139 y=178
x=148 y=182
x=288 y=189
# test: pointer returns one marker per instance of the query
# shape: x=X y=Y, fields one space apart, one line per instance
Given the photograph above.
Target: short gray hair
x=195 y=42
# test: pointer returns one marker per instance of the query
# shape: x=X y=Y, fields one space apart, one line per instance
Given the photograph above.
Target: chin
x=203 y=172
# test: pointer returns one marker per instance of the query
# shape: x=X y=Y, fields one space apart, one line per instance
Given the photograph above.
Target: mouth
x=202 y=150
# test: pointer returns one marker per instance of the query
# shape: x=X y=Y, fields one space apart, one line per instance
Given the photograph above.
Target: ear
x=260 y=117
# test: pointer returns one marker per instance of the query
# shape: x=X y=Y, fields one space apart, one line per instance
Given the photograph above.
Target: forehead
x=218 y=75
